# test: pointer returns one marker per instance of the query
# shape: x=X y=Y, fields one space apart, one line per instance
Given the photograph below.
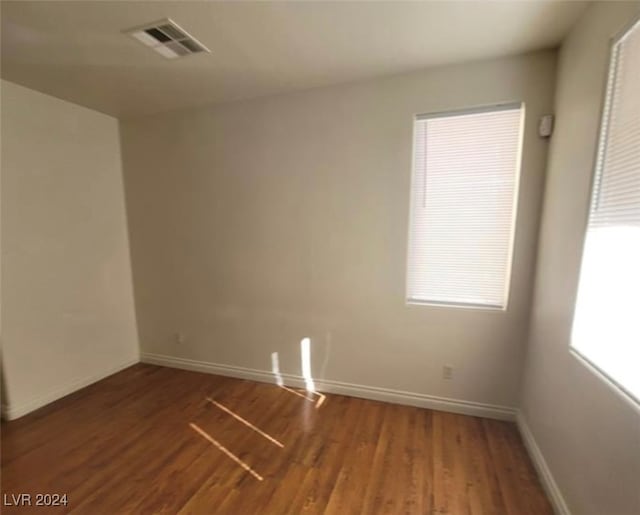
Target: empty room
x=324 y=257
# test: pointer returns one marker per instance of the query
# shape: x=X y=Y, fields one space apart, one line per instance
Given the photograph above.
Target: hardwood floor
x=152 y=439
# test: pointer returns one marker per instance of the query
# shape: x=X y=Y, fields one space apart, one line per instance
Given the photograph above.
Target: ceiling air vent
x=168 y=39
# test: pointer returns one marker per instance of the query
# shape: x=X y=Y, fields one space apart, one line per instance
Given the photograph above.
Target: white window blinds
x=463 y=203
x=606 y=325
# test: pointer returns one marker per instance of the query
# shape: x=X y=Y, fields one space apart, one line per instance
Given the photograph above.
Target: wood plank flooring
x=158 y=440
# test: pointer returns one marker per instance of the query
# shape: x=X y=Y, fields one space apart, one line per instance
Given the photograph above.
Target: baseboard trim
x=544 y=472
x=329 y=386
x=11 y=412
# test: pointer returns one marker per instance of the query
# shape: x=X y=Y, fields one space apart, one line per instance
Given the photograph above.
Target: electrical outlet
x=447 y=372
x=178 y=338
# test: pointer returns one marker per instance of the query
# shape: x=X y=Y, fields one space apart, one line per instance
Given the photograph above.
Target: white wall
x=258 y=223
x=588 y=434
x=67 y=302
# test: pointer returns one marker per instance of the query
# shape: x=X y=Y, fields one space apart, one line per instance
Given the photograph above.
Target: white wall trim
x=11 y=411
x=544 y=472
x=329 y=386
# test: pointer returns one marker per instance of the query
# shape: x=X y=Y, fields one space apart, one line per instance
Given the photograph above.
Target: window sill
x=434 y=304
x=600 y=374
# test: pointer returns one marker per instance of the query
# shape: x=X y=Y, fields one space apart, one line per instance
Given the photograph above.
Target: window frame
x=604 y=121
x=478 y=109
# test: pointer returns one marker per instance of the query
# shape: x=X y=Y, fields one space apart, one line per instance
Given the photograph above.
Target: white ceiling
x=76 y=50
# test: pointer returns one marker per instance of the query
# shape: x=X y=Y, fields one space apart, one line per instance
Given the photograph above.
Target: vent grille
x=168 y=39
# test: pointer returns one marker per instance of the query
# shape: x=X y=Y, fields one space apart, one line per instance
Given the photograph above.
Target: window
x=463 y=204
x=606 y=324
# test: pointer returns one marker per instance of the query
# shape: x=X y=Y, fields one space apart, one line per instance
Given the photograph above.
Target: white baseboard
x=11 y=411
x=544 y=473
x=328 y=386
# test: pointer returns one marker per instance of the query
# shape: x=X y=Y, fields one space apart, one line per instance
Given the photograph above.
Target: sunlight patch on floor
x=245 y=422
x=226 y=451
